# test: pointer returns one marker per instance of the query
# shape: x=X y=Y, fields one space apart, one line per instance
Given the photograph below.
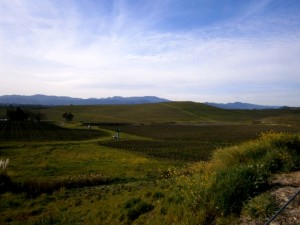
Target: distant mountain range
x=241 y=105
x=62 y=100
x=116 y=100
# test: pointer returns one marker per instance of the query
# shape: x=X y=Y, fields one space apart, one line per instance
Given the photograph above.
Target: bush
x=283 y=152
x=68 y=116
x=284 y=147
x=235 y=185
x=237 y=174
x=279 y=160
x=261 y=206
x=282 y=140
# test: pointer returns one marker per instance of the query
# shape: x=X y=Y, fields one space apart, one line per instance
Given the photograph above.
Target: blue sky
x=197 y=50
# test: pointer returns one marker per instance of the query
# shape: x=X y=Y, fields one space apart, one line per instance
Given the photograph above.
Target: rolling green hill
x=70 y=174
x=146 y=113
x=184 y=112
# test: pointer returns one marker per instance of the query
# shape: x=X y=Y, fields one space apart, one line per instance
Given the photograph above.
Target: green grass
x=187 y=142
x=183 y=112
x=52 y=160
x=261 y=206
x=140 y=189
x=87 y=177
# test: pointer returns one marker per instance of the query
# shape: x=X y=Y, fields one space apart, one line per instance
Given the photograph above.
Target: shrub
x=283 y=152
x=244 y=154
x=237 y=174
x=279 y=160
x=235 y=185
x=261 y=206
x=284 y=147
x=282 y=140
x=68 y=116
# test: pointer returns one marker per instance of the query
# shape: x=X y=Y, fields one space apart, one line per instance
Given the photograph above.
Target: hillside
x=146 y=113
x=167 y=112
x=191 y=164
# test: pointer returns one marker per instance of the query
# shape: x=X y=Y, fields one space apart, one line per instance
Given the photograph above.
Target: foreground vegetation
x=171 y=112
x=142 y=190
x=157 y=173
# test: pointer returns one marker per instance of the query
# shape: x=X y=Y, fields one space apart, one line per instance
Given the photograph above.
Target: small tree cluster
x=19 y=114
x=68 y=116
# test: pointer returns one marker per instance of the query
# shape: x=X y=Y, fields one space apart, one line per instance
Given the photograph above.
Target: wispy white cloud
x=98 y=50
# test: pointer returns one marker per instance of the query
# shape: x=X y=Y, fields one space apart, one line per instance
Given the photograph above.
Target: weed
x=235 y=185
x=261 y=206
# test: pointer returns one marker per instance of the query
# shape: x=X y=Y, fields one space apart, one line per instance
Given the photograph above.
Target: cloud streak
x=112 y=48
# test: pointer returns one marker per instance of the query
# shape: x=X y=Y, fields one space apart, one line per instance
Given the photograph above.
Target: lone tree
x=38 y=116
x=68 y=116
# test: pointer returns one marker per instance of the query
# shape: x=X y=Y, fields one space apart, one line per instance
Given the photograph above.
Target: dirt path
x=284 y=187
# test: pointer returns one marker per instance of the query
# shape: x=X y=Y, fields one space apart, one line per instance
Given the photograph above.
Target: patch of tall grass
x=234 y=182
x=219 y=189
x=261 y=206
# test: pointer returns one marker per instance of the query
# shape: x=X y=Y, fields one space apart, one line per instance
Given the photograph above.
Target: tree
x=17 y=114
x=37 y=117
x=68 y=116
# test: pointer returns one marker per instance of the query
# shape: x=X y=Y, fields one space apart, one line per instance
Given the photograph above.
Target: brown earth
x=284 y=188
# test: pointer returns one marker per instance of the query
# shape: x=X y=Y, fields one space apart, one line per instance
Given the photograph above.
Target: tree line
x=18 y=114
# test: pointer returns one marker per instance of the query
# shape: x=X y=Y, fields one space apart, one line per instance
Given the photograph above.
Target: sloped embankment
x=237 y=186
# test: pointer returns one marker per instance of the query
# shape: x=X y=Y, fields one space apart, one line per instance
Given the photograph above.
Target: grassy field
x=169 y=112
x=188 y=143
x=170 y=159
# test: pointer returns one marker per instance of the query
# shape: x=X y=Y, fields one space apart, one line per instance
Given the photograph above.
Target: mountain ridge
x=52 y=100
x=40 y=99
x=241 y=105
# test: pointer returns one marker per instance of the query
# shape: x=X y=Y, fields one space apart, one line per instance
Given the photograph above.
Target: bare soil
x=284 y=188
